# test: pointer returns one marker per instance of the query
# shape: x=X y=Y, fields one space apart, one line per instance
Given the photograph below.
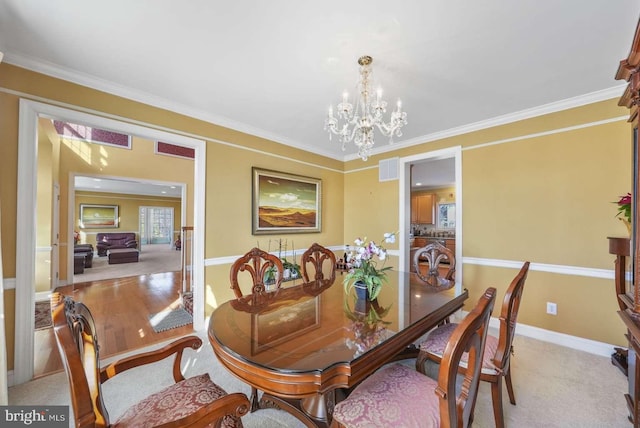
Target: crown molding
x=569 y=103
x=84 y=79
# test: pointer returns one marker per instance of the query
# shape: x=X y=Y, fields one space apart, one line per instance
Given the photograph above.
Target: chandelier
x=358 y=125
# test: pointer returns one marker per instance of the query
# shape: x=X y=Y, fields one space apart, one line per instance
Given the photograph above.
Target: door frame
x=55 y=237
x=405 y=204
x=30 y=111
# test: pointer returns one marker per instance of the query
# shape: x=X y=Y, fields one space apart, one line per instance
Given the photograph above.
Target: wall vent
x=388 y=169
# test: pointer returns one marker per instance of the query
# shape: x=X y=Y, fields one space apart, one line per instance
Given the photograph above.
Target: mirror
x=446 y=216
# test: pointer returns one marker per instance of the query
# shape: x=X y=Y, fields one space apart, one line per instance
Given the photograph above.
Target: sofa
x=106 y=241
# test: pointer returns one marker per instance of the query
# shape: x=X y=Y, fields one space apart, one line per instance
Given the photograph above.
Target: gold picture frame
x=285 y=203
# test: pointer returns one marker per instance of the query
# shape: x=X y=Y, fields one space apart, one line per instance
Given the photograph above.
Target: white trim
x=83 y=79
x=173 y=131
x=42 y=295
x=542 y=267
x=9 y=283
x=569 y=103
x=227 y=260
x=550 y=132
x=404 y=201
x=509 y=264
x=574 y=342
x=25 y=247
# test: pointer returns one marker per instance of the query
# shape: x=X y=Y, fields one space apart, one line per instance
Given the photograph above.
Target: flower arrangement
x=624 y=207
x=362 y=263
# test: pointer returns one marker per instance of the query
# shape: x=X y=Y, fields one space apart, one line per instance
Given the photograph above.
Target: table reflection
x=368 y=324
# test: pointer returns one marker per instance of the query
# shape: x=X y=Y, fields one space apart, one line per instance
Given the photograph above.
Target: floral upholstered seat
x=389 y=398
x=192 y=402
x=399 y=396
x=437 y=341
x=175 y=402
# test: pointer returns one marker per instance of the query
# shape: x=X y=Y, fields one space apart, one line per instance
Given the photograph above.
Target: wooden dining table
x=306 y=344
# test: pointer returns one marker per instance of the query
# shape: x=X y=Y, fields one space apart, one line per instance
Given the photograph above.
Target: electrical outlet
x=552 y=308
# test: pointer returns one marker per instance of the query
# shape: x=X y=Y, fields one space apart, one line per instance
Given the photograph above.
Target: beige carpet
x=152 y=259
x=554 y=387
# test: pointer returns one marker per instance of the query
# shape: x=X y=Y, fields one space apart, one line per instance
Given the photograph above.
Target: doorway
x=30 y=112
x=405 y=186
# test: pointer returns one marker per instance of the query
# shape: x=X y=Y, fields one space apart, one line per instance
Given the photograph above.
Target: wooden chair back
x=434 y=255
x=260 y=265
x=508 y=318
x=316 y=255
x=457 y=400
x=75 y=332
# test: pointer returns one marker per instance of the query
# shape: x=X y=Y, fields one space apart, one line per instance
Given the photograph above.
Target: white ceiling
x=132 y=187
x=273 y=68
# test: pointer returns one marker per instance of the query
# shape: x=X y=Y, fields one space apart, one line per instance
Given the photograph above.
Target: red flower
x=625 y=200
x=624 y=207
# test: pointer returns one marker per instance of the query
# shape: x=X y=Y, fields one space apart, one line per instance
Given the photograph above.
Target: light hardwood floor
x=121 y=308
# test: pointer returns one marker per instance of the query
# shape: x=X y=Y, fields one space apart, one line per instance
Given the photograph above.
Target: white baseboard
x=561 y=339
x=42 y=295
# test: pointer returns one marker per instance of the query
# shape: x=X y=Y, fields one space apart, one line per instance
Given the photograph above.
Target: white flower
x=358 y=242
x=390 y=238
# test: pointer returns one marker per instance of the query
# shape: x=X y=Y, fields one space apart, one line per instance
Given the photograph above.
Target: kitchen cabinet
x=451 y=244
x=422 y=208
x=419 y=242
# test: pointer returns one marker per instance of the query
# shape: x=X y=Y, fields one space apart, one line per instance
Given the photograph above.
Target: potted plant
x=624 y=211
x=291 y=269
x=364 y=273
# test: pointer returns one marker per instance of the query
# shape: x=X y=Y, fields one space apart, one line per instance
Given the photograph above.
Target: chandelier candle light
x=358 y=125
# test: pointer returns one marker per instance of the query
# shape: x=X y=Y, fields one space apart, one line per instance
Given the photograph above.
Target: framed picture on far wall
x=98 y=216
x=285 y=203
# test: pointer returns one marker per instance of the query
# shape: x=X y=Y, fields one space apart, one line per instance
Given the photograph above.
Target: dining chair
x=194 y=402
x=263 y=268
x=438 y=273
x=398 y=395
x=316 y=255
x=498 y=350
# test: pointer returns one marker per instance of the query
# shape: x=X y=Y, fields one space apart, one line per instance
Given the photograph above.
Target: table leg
x=255 y=405
x=313 y=411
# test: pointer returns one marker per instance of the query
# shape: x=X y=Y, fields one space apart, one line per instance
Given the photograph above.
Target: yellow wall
x=228 y=176
x=545 y=198
x=228 y=209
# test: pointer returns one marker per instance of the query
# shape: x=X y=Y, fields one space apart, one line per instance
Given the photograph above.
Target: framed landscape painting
x=285 y=203
x=98 y=216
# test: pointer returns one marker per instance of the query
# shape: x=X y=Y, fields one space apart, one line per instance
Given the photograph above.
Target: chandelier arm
x=356 y=122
